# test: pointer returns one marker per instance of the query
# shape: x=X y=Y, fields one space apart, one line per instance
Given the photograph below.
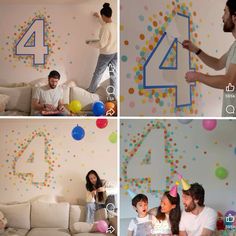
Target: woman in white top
x=107 y=44
x=96 y=194
x=168 y=215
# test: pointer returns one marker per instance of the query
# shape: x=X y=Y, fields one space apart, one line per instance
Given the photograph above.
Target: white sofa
x=15 y=100
x=47 y=219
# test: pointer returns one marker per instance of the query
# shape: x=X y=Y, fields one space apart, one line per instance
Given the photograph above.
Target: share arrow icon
x=110 y=230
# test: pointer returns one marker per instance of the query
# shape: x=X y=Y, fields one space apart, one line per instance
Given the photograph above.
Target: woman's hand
x=96 y=14
x=187 y=44
x=101 y=189
x=94 y=192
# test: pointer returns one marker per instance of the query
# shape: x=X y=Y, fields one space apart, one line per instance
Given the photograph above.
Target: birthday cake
x=161 y=228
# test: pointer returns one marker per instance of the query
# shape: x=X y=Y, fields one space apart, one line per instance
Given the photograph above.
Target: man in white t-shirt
x=226 y=82
x=196 y=219
x=48 y=99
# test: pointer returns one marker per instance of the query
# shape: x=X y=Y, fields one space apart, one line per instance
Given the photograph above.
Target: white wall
x=207 y=33
x=69 y=26
x=196 y=153
x=70 y=160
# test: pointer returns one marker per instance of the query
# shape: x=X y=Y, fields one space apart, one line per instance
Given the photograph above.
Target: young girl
x=107 y=44
x=96 y=194
x=168 y=215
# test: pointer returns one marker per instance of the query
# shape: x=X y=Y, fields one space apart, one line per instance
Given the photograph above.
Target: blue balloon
x=98 y=108
x=78 y=133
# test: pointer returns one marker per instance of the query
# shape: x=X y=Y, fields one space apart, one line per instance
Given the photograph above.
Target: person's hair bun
x=106 y=10
x=106 y=5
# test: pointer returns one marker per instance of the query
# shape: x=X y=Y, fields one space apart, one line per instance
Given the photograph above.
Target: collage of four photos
x=117 y=117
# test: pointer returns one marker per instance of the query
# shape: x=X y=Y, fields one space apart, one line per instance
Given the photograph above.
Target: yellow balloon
x=75 y=106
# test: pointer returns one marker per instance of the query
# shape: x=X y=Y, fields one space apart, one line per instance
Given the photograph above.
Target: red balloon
x=101 y=123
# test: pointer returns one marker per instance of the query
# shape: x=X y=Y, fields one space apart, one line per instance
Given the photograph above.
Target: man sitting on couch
x=47 y=100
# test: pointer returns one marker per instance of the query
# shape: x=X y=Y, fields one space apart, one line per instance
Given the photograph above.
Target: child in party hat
x=143 y=223
x=168 y=214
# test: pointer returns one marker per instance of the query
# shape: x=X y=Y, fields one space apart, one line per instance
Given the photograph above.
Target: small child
x=142 y=224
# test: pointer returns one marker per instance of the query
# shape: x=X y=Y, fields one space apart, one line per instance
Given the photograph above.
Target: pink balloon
x=209 y=124
x=102 y=226
x=101 y=123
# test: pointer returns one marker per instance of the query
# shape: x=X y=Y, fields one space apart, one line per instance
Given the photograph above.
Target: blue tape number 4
x=157 y=73
x=32 y=43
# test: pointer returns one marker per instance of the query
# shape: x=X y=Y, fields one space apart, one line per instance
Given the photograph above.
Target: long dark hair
x=174 y=215
x=232 y=7
x=90 y=187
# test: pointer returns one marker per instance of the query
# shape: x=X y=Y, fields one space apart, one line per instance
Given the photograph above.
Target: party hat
x=131 y=194
x=174 y=190
x=184 y=183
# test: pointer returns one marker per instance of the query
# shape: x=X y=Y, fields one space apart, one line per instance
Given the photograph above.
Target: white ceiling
x=42 y=1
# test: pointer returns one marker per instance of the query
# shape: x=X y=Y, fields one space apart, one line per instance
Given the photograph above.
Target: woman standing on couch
x=96 y=194
x=107 y=44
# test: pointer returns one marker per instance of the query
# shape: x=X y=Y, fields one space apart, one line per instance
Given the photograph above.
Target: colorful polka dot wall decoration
x=160 y=101
x=154 y=152
x=25 y=154
x=136 y=142
x=50 y=38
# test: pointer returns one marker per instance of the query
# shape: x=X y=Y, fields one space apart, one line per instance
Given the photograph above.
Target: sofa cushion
x=18 y=215
x=100 y=214
x=39 y=82
x=83 y=227
x=77 y=214
x=49 y=198
x=113 y=223
x=3 y=101
x=48 y=232
x=14 y=113
x=85 y=98
x=20 y=98
x=50 y=215
x=15 y=232
x=66 y=94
